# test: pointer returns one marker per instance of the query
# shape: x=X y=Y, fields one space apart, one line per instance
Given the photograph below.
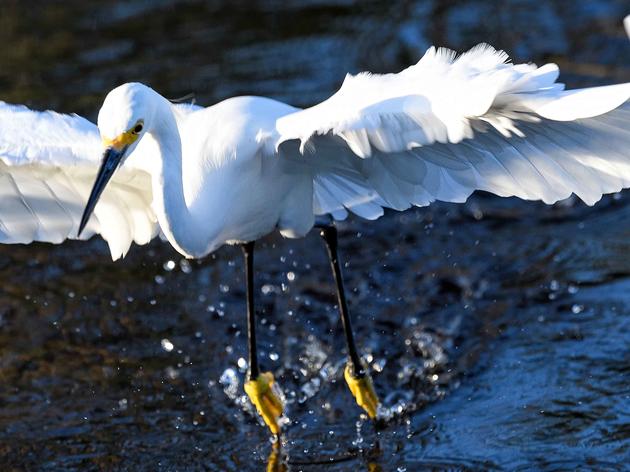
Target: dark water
x=498 y=331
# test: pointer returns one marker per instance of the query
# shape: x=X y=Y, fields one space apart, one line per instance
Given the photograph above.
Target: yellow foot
x=363 y=390
x=265 y=400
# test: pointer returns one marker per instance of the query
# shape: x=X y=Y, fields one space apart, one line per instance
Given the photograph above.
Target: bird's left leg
x=258 y=385
x=355 y=373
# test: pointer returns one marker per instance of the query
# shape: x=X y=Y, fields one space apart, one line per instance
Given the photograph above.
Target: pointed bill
x=111 y=160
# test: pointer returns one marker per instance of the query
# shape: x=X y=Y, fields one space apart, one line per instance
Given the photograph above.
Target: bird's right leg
x=258 y=385
x=355 y=373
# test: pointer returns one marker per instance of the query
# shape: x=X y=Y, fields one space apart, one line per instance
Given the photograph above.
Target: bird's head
x=122 y=121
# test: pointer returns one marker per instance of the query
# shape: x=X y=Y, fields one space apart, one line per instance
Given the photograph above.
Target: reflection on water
x=497 y=331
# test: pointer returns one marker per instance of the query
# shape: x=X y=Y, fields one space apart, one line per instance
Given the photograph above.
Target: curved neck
x=169 y=203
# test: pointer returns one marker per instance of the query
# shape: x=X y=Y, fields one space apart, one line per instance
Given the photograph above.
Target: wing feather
x=447 y=126
x=48 y=162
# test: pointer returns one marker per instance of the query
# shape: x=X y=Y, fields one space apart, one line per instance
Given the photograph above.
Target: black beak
x=111 y=160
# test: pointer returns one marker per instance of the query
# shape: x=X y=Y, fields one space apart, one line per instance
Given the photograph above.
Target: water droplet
x=224 y=288
x=290 y=276
x=185 y=266
x=159 y=279
x=229 y=380
x=167 y=345
x=242 y=363
x=274 y=356
x=172 y=373
x=169 y=265
x=575 y=308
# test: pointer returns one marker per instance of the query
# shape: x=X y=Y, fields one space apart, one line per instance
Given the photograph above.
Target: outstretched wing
x=48 y=162
x=448 y=126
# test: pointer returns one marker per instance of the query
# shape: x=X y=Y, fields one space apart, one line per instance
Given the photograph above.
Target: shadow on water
x=497 y=331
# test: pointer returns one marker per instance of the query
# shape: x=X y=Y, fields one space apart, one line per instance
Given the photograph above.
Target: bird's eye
x=137 y=128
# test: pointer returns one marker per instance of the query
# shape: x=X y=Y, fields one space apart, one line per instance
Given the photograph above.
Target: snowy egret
x=238 y=170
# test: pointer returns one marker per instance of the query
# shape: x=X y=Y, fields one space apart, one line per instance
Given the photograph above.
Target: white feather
x=233 y=172
x=48 y=162
x=449 y=125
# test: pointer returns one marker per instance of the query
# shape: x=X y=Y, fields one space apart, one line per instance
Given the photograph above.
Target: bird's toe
x=266 y=401
x=362 y=389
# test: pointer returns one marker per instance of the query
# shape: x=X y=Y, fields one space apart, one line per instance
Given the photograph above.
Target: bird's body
x=235 y=184
x=240 y=169
x=221 y=186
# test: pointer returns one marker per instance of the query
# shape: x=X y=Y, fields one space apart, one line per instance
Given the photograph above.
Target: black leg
x=248 y=254
x=329 y=234
x=258 y=386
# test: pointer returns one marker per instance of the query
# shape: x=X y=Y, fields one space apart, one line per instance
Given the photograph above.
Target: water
x=498 y=331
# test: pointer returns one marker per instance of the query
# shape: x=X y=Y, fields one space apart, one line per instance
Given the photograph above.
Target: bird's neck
x=169 y=203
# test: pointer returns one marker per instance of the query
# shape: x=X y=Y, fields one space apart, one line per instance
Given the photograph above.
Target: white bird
x=236 y=171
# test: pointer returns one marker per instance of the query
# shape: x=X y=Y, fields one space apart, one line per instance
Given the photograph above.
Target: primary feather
x=449 y=125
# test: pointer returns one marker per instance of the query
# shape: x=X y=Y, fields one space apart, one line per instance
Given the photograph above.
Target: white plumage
x=47 y=166
x=438 y=130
